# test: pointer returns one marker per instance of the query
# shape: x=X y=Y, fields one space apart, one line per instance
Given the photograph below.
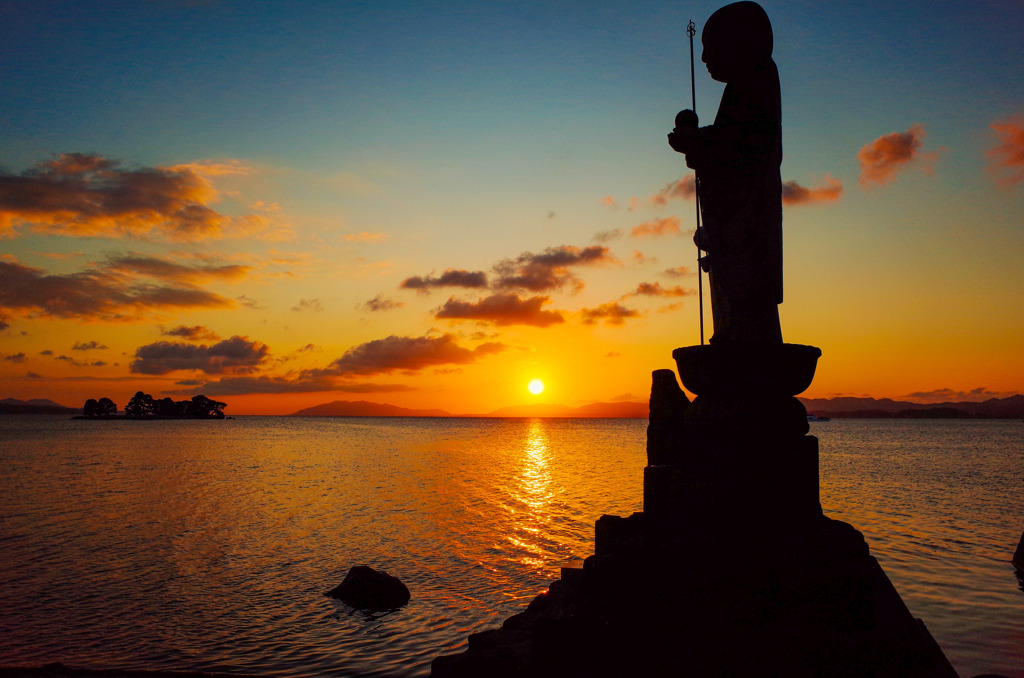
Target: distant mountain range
x=362 y=408
x=884 y=408
x=36 y=406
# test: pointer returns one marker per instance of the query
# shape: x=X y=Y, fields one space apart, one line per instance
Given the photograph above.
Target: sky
x=430 y=204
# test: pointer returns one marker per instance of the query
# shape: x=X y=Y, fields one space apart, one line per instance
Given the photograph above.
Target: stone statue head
x=737 y=39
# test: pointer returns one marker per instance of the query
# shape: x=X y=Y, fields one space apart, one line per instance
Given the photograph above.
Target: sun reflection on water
x=531 y=493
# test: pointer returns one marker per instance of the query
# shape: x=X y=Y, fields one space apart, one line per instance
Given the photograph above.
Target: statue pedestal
x=731 y=569
x=734 y=469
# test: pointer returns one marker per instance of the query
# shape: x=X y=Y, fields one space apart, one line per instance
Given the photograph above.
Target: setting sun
x=536 y=386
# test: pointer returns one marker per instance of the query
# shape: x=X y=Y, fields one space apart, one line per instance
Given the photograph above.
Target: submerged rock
x=368 y=589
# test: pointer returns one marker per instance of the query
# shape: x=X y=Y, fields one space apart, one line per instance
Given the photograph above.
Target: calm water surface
x=208 y=545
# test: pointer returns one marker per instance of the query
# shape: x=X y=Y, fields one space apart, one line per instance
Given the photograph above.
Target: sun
x=536 y=387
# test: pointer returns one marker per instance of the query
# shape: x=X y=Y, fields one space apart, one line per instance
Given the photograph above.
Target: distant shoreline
x=834 y=408
x=148 y=417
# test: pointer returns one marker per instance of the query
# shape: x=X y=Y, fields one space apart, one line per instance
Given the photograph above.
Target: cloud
x=655 y=289
x=409 y=354
x=795 y=194
x=381 y=303
x=450 y=278
x=640 y=259
x=237 y=355
x=192 y=333
x=609 y=202
x=683 y=188
x=249 y=302
x=1006 y=160
x=380 y=356
x=502 y=309
x=605 y=236
x=941 y=395
x=94 y=295
x=664 y=226
x=88 y=346
x=77 y=363
x=163 y=269
x=885 y=156
x=15 y=358
x=46 y=352
x=550 y=269
x=363 y=236
x=308 y=348
x=308 y=305
x=90 y=196
x=612 y=313
x=677 y=272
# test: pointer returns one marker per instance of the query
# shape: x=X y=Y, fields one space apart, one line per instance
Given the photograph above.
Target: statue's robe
x=737 y=160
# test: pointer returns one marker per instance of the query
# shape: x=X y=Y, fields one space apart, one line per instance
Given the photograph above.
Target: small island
x=144 y=406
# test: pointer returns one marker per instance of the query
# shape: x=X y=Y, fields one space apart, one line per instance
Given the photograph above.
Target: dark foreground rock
x=59 y=670
x=368 y=589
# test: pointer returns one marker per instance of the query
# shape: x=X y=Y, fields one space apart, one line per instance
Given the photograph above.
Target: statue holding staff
x=737 y=161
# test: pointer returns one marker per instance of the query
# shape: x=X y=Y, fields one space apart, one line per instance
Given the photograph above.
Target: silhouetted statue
x=737 y=161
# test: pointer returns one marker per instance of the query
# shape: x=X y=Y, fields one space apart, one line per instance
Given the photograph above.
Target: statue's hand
x=681 y=139
x=700 y=239
x=686 y=119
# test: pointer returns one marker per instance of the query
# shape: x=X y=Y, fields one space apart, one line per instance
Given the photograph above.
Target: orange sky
x=361 y=215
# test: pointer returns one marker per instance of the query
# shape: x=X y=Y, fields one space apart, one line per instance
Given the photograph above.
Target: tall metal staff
x=691 y=30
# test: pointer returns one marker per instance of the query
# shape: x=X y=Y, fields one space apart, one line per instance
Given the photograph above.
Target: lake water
x=207 y=545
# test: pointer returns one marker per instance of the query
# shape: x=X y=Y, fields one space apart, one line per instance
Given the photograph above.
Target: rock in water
x=1018 y=555
x=368 y=589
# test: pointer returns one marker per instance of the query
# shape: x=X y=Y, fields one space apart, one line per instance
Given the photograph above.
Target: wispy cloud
x=192 y=333
x=88 y=346
x=884 y=157
x=677 y=272
x=502 y=309
x=308 y=305
x=406 y=354
x=88 y=195
x=237 y=355
x=382 y=303
x=795 y=194
x=450 y=278
x=94 y=295
x=654 y=289
x=940 y=395
x=683 y=188
x=80 y=363
x=363 y=236
x=166 y=269
x=551 y=269
x=1006 y=159
x=612 y=313
x=657 y=227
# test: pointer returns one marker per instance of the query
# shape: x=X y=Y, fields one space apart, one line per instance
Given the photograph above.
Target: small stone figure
x=737 y=161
